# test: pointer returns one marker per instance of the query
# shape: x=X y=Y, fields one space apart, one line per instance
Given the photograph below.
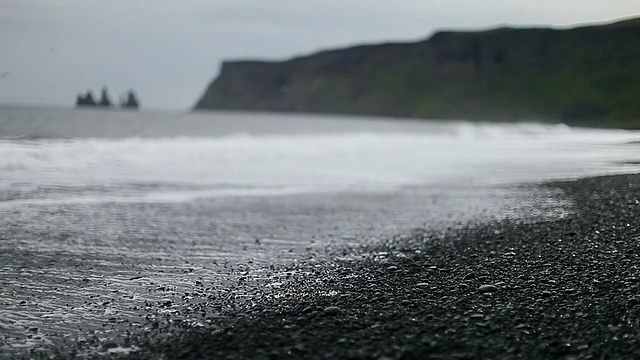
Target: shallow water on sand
x=101 y=212
x=76 y=269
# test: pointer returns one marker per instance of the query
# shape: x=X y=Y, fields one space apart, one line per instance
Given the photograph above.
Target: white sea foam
x=184 y=168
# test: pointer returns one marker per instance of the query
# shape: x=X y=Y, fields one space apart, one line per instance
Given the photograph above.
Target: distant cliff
x=585 y=76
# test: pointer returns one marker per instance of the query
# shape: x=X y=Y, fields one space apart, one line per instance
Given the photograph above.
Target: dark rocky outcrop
x=587 y=75
x=104 y=100
x=131 y=101
x=87 y=100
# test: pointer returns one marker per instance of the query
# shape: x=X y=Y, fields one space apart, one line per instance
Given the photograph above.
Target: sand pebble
x=109 y=345
x=332 y=310
x=487 y=288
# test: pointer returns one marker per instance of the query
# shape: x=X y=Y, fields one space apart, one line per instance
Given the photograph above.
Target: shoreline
x=565 y=287
x=107 y=286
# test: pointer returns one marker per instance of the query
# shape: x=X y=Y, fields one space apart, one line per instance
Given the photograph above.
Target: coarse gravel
x=566 y=288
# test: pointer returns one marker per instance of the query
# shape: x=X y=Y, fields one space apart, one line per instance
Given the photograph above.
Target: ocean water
x=101 y=211
x=53 y=156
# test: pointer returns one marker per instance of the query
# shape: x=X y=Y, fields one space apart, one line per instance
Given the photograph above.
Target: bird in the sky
x=5 y=74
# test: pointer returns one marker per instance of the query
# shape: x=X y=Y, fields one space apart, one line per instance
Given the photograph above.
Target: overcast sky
x=169 y=51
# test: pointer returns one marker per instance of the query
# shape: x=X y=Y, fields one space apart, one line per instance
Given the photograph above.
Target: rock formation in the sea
x=587 y=75
x=104 y=100
x=87 y=100
x=130 y=101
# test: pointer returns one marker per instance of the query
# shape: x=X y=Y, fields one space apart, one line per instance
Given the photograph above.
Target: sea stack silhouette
x=104 y=101
x=87 y=100
x=131 y=101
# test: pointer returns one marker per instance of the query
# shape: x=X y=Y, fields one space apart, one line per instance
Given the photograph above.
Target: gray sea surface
x=104 y=212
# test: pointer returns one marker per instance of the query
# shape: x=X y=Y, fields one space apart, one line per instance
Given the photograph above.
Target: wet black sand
x=564 y=288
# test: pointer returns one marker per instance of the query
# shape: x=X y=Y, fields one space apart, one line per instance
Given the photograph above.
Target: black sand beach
x=563 y=288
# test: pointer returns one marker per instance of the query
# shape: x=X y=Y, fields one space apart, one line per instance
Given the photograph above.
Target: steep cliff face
x=588 y=76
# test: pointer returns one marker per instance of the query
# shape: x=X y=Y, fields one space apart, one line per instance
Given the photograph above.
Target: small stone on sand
x=332 y=310
x=487 y=288
x=109 y=345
